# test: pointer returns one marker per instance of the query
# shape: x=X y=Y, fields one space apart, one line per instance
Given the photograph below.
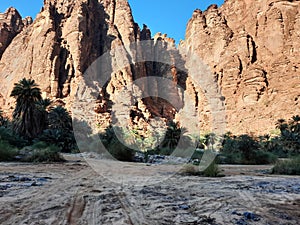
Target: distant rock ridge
x=11 y=24
x=251 y=47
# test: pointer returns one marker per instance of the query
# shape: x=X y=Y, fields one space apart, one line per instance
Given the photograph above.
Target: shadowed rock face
x=253 y=50
x=251 y=47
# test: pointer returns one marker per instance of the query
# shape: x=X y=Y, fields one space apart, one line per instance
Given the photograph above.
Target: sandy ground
x=77 y=192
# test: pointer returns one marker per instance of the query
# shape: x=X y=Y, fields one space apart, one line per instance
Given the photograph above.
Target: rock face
x=11 y=24
x=251 y=48
x=64 y=40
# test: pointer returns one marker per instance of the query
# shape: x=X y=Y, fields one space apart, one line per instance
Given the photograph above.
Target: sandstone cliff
x=65 y=39
x=11 y=24
x=62 y=42
x=252 y=49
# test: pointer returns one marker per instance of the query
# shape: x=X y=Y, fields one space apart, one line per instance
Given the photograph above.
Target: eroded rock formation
x=252 y=49
x=11 y=24
x=65 y=39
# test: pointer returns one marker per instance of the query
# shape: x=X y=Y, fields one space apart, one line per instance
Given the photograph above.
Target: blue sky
x=164 y=16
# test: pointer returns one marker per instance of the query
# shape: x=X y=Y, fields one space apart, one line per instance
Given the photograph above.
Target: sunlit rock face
x=11 y=24
x=63 y=42
x=251 y=48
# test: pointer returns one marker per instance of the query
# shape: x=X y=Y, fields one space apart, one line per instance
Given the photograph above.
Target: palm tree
x=44 y=103
x=281 y=125
x=59 y=118
x=172 y=137
x=60 y=131
x=2 y=120
x=26 y=116
x=295 y=124
x=42 y=109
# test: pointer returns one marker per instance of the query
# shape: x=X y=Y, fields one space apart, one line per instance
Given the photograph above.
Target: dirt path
x=73 y=193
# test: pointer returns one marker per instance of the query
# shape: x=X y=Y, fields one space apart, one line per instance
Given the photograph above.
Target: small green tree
x=245 y=149
x=172 y=136
x=112 y=143
x=60 y=131
x=290 y=134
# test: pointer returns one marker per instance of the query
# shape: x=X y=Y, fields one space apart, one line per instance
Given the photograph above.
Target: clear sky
x=166 y=16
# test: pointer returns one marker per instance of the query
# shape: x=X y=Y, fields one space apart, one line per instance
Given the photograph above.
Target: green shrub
x=197 y=154
x=212 y=170
x=64 y=139
x=48 y=154
x=114 y=146
x=7 y=152
x=191 y=170
x=232 y=158
x=244 y=149
x=165 y=151
x=287 y=167
x=119 y=151
x=7 y=134
x=263 y=157
x=40 y=145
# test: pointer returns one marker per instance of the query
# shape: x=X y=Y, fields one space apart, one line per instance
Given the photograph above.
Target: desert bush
x=264 y=157
x=114 y=146
x=63 y=139
x=121 y=152
x=7 y=152
x=13 y=139
x=197 y=154
x=190 y=169
x=287 y=167
x=244 y=149
x=165 y=151
x=211 y=171
x=40 y=153
x=40 y=145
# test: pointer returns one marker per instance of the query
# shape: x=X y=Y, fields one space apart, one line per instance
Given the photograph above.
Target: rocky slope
x=251 y=49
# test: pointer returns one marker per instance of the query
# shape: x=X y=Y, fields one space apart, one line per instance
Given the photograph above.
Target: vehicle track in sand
x=75 y=194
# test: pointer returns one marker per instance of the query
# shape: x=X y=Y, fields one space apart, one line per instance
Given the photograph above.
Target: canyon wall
x=251 y=48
